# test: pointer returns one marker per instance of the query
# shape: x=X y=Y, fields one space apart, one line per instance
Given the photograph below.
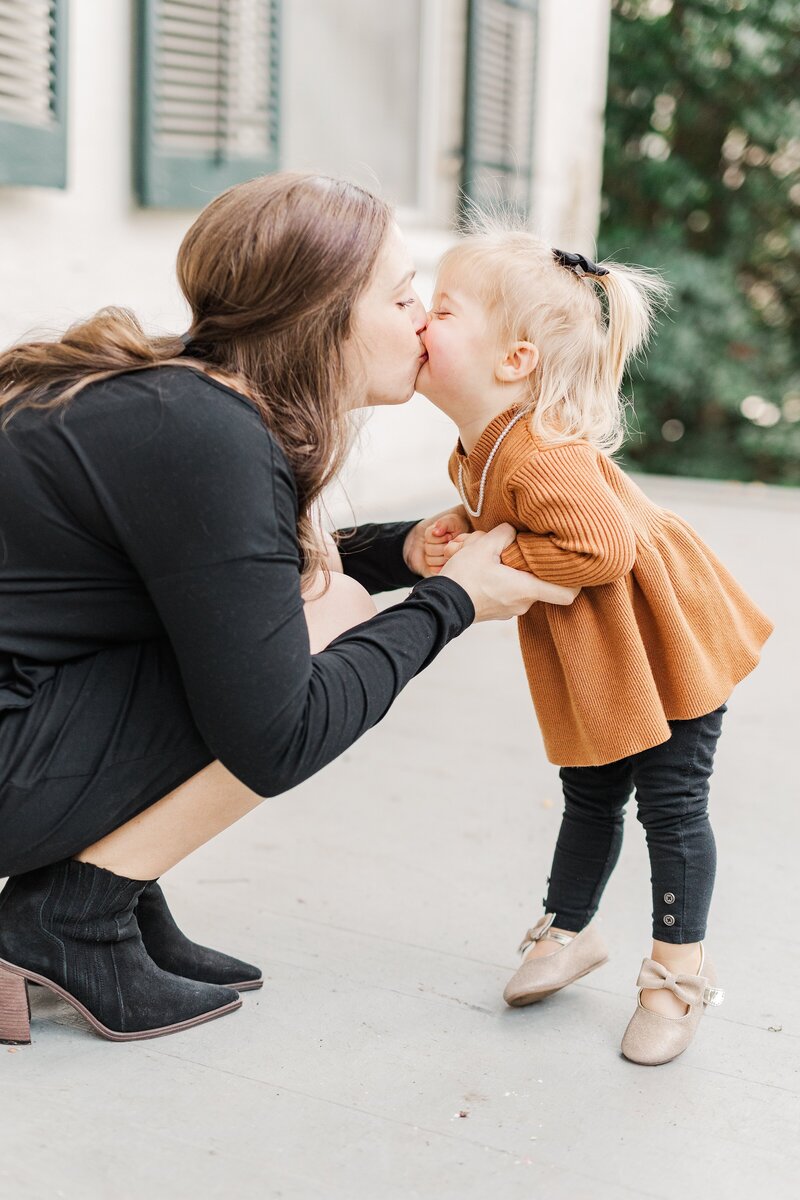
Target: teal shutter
x=499 y=102
x=33 y=92
x=208 y=97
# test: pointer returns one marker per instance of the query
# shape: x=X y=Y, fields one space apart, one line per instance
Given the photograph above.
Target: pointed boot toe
x=173 y=951
x=71 y=928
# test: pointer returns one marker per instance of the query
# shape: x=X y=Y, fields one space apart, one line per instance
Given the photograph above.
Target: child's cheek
x=440 y=357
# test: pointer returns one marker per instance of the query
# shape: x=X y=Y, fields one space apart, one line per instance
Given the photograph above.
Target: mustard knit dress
x=660 y=631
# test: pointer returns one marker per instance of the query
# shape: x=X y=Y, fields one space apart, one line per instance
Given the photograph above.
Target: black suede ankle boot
x=172 y=951
x=72 y=928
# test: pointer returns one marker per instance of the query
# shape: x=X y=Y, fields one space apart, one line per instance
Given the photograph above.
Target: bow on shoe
x=688 y=988
x=537 y=932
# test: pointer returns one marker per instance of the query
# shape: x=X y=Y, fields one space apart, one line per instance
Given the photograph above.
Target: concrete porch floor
x=385 y=899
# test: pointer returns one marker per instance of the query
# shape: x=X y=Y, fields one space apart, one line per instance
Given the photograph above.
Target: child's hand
x=454 y=546
x=443 y=537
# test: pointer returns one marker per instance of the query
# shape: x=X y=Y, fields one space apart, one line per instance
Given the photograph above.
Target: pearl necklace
x=476 y=512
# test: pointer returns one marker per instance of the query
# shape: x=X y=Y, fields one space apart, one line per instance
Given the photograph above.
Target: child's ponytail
x=586 y=340
x=591 y=405
x=633 y=296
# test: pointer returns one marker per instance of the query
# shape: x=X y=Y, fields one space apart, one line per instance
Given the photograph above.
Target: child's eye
x=441 y=312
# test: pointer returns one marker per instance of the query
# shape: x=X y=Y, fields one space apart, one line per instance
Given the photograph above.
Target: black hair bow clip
x=578 y=263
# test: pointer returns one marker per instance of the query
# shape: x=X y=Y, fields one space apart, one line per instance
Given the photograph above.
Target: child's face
x=461 y=346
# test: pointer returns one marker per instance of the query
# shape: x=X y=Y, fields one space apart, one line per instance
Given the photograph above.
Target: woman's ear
x=519 y=362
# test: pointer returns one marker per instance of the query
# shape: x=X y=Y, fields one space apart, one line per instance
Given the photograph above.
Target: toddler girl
x=526 y=352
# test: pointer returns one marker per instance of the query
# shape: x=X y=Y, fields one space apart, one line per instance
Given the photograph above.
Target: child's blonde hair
x=585 y=327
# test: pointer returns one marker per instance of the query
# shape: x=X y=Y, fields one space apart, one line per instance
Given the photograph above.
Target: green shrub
x=702 y=180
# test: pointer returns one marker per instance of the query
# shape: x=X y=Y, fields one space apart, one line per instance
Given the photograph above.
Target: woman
x=156 y=674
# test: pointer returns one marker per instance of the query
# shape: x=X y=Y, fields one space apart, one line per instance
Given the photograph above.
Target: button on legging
x=672 y=786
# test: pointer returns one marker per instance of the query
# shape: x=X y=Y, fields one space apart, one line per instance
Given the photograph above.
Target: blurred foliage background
x=702 y=181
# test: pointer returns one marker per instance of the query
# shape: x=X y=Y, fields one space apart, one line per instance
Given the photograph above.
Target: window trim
x=32 y=156
x=165 y=180
x=471 y=164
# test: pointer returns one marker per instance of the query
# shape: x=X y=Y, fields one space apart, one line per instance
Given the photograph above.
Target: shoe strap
x=564 y=938
x=691 y=989
x=542 y=930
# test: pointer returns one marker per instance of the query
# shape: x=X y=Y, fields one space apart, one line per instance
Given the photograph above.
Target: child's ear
x=520 y=361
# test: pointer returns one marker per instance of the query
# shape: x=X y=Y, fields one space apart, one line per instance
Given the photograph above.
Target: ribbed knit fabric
x=661 y=630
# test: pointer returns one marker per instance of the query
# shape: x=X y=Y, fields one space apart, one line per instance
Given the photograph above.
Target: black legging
x=672 y=784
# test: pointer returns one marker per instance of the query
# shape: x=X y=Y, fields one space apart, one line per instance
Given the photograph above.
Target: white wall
x=64 y=254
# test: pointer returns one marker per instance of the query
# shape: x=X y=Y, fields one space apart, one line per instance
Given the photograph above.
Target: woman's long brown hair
x=271 y=270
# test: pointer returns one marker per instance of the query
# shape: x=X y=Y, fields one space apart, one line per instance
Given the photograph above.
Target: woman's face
x=384 y=352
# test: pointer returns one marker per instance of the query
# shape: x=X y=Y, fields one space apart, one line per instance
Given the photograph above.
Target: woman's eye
x=405 y=303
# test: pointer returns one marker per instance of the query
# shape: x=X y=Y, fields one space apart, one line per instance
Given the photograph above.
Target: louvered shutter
x=33 y=69
x=499 y=103
x=208 y=97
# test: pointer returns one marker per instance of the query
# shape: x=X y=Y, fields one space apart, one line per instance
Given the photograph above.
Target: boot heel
x=15 y=1011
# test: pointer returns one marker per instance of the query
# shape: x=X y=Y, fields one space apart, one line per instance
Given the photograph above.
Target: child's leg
x=672 y=785
x=588 y=845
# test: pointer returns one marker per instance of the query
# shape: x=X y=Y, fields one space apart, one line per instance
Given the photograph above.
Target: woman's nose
x=419 y=315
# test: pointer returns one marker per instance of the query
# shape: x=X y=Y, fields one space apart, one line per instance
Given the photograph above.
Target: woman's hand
x=425 y=543
x=497 y=592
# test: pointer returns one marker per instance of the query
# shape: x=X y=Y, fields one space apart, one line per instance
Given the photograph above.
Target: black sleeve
x=203 y=504
x=373 y=554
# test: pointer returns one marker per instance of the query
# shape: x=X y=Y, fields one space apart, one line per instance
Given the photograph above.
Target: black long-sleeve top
x=157 y=502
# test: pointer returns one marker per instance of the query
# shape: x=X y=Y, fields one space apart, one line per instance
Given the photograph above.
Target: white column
x=572 y=76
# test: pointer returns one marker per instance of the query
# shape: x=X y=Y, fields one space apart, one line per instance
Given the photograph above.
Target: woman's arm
x=382 y=557
x=272 y=713
x=374 y=555
x=202 y=503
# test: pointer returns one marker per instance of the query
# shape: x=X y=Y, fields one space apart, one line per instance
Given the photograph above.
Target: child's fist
x=455 y=545
x=442 y=534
